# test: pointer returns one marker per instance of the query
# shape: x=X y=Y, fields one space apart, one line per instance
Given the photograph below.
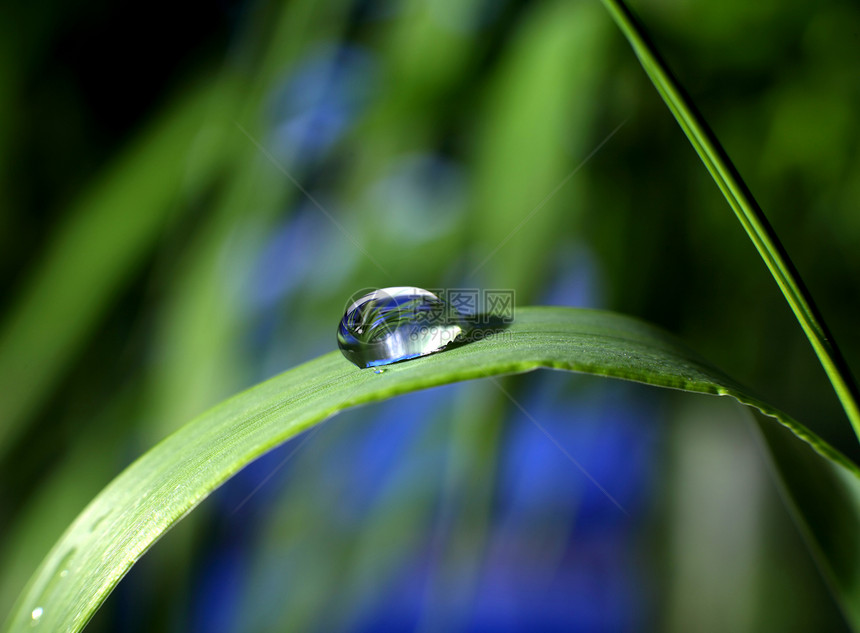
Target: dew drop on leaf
x=394 y=324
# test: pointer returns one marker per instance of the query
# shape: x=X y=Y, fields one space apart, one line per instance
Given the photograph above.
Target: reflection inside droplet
x=36 y=614
x=394 y=324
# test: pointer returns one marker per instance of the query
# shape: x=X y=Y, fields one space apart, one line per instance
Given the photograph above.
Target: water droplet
x=393 y=324
x=64 y=573
x=378 y=371
x=36 y=614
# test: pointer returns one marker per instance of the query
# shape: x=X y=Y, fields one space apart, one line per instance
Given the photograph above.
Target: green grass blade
x=746 y=209
x=156 y=491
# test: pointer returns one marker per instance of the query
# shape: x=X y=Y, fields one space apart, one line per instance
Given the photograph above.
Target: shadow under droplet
x=482 y=327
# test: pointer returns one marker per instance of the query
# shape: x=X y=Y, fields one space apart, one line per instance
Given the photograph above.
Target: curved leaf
x=156 y=491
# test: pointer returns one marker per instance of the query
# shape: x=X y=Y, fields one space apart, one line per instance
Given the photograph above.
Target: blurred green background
x=190 y=195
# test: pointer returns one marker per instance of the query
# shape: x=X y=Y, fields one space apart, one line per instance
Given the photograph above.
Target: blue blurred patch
x=370 y=456
x=322 y=96
x=217 y=589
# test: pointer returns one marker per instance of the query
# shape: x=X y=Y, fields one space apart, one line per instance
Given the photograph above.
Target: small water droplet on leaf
x=394 y=324
x=36 y=614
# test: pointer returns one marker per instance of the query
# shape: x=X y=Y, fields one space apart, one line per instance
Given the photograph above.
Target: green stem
x=746 y=209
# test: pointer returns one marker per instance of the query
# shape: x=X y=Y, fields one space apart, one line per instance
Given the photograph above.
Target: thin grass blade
x=747 y=210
